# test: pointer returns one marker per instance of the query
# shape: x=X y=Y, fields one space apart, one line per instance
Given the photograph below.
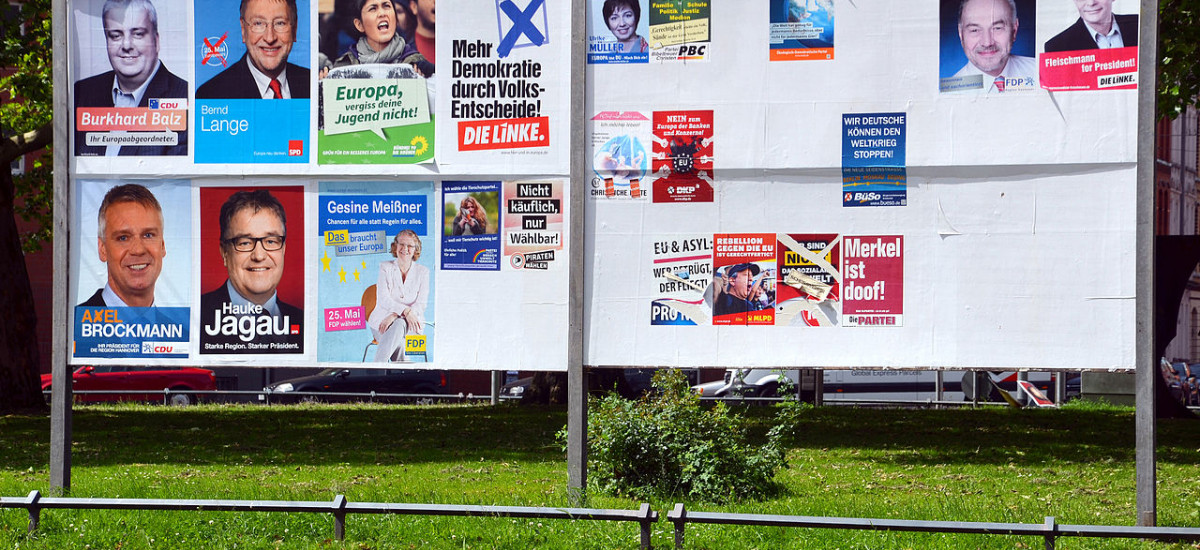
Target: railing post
x=339 y=517
x=35 y=511
x=1051 y=532
x=647 y=519
x=166 y=396
x=678 y=516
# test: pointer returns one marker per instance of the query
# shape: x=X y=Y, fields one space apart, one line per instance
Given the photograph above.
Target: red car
x=180 y=380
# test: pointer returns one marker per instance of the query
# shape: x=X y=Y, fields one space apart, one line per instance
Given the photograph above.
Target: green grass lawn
x=996 y=465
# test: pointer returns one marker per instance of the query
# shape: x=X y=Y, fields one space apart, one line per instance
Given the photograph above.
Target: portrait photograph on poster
x=617 y=32
x=377 y=263
x=247 y=52
x=988 y=46
x=252 y=281
x=131 y=295
x=375 y=102
x=1094 y=47
x=471 y=225
x=131 y=84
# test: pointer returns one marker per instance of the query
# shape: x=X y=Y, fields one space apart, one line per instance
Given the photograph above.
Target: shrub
x=667 y=445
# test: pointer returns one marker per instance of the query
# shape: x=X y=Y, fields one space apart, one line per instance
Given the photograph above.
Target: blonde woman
x=401 y=296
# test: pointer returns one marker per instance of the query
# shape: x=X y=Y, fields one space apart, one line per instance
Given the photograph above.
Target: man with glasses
x=268 y=30
x=245 y=315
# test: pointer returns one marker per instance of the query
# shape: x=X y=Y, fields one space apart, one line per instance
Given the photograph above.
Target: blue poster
x=252 y=82
x=874 y=169
x=375 y=279
x=471 y=225
x=131 y=332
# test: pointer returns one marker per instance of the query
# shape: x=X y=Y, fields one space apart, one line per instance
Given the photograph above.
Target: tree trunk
x=20 y=384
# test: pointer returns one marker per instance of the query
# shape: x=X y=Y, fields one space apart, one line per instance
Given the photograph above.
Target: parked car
x=380 y=381
x=638 y=382
x=119 y=378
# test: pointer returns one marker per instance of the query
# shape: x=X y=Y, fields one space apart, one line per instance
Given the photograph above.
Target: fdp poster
x=378 y=259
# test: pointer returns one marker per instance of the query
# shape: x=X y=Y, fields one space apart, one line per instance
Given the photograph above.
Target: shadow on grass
x=303 y=435
x=322 y=435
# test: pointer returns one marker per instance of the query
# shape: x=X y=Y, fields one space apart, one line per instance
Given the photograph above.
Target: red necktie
x=275 y=88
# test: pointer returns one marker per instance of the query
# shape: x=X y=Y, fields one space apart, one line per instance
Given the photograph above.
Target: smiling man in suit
x=1097 y=28
x=131 y=41
x=268 y=30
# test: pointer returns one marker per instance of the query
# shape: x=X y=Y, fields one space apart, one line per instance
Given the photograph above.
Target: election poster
x=504 y=93
x=679 y=30
x=375 y=281
x=808 y=290
x=682 y=158
x=620 y=155
x=252 y=276
x=533 y=221
x=131 y=296
x=801 y=29
x=617 y=32
x=744 y=275
x=995 y=50
x=874 y=172
x=471 y=225
x=375 y=101
x=375 y=114
x=1090 y=46
x=873 y=290
x=131 y=79
x=253 y=82
x=682 y=274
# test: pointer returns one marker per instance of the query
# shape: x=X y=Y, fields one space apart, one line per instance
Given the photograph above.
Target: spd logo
x=295 y=148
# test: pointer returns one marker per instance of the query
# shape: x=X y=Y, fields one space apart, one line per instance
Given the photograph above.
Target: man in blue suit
x=268 y=30
x=1096 y=28
x=131 y=38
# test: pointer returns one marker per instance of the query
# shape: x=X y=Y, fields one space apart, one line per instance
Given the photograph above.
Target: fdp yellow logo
x=414 y=344
x=334 y=238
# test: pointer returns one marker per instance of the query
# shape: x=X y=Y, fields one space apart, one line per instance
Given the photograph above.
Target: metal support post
x=645 y=523
x=35 y=511
x=678 y=516
x=576 y=378
x=1051 y=532
x=60 y=385
x=339 y=517
x=497 y=381
x=1144 y=344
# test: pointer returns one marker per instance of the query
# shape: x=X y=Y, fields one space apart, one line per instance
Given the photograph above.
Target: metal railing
x=339 y=508
x=267 y=397
x=1049 y=530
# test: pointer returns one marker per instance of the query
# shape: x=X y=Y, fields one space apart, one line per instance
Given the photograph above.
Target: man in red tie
x=268 y=30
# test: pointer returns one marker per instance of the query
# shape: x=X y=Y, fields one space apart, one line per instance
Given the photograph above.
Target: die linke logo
x=295 y=147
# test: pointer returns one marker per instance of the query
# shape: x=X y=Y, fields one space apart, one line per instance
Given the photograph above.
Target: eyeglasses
x=259 y=26
x=270 y=243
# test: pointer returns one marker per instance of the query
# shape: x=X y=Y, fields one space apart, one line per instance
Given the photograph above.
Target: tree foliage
x=26 y=107
x=1178 y=55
